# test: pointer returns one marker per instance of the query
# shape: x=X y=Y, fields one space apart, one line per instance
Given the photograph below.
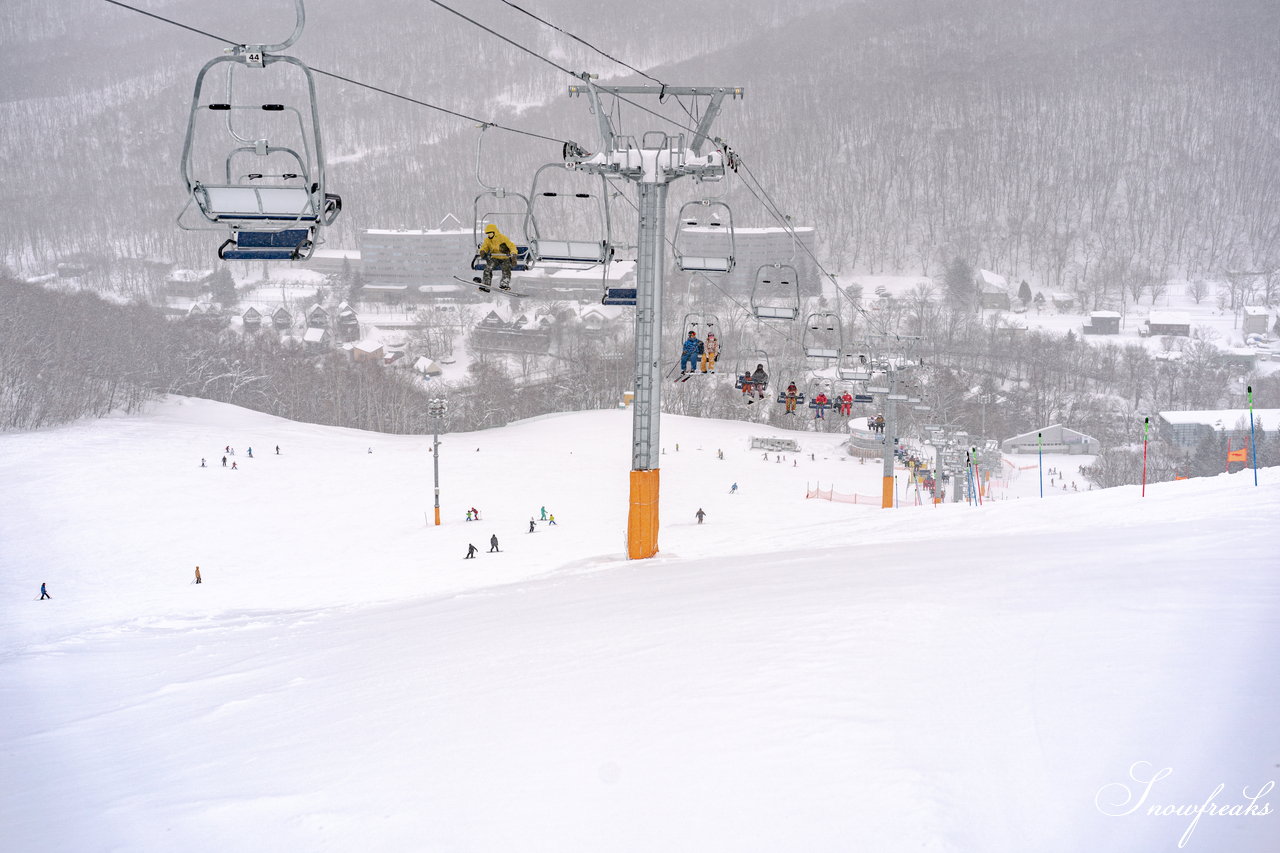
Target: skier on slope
x=690 y=352
x=44 y=592
x=497 y=250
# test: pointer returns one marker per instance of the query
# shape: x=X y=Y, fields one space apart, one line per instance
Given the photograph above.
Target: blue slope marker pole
x=1040 y=443
x=1253 y=450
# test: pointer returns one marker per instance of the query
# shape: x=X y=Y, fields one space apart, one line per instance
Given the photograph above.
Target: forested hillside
x=1090 y=145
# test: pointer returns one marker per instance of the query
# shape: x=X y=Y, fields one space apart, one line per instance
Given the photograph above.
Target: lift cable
x=352 y=81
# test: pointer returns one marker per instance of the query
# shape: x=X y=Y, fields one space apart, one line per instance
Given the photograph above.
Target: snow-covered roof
x=368 y=345
x=1255 y=311
x=1105 y=314
x=799 y=229
x=427 y=366
x=336 y=254
x=315 y=335
x=1227 y=418
x=417 y=231
x=991 y=279
x=190 y=275
x=1169 y=318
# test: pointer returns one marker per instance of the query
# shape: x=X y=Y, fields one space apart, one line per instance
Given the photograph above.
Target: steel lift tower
x=652 y=164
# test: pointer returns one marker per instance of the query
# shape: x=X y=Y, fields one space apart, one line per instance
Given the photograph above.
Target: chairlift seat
x=524 y=260
x=821 y=352
x=863 y=398
x=290 y=244
x=800 y=397
x=572 y=251
x=619 y=296
x=692 y=263
x=777 y=312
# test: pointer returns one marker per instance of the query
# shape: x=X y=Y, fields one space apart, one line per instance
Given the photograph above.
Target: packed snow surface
x=793 y=674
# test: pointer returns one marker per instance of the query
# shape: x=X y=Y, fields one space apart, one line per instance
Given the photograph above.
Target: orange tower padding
x=642 y=520
x=886 y=494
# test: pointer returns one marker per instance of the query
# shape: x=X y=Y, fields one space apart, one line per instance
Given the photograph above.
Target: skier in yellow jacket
x=497 y=250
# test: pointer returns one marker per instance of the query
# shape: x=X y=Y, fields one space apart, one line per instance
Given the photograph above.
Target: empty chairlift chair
x=775 y=295
x=823 y=339
x=556 y=211
x=274 y=208
x=714 y=221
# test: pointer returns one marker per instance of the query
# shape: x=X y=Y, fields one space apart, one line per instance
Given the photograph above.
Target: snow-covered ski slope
x=792 y=675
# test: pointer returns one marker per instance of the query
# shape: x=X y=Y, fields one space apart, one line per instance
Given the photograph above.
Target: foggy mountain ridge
x=1022 y=135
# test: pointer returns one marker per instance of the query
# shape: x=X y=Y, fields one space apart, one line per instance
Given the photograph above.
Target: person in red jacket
x=846 y=404
x=820 y=406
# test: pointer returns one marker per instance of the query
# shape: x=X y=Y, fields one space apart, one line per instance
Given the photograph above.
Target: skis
x=476 y=283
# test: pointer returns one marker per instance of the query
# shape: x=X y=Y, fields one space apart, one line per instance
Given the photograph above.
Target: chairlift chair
x=714 y=215
x=484 y=214
x=274 y=208
x=823 y=338
x=854 y=364
x=775 y=295
x=746 y=363
x=546 y=242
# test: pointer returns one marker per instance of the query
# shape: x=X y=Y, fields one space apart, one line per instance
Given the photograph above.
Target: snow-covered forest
x=1116 y=153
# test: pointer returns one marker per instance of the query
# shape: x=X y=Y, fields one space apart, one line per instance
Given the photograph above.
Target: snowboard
x=476 y=283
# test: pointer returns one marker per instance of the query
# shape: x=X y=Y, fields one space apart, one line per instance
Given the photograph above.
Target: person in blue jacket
x=44 y=593
x=692 y=351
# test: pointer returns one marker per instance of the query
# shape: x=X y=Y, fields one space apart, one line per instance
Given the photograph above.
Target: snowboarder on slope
x=471 y=552
x=700 y=514
x=493 y=543
x=551 y=519
x=544 y=513
x=531 y=524
x=198 y=578
x=497 y=250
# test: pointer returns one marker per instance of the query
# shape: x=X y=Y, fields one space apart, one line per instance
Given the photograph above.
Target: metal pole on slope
x=436 y=407
x=1146 y=424
x=652 y=164
x=1040 y=445
x=1253 y=447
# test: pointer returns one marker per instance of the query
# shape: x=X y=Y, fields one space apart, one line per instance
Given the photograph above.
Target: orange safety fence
x=840 y=497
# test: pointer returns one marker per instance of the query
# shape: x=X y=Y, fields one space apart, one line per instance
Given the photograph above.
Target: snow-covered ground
x=791 y=675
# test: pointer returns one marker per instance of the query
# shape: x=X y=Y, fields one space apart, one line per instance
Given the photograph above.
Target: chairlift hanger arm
x=251 y=49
